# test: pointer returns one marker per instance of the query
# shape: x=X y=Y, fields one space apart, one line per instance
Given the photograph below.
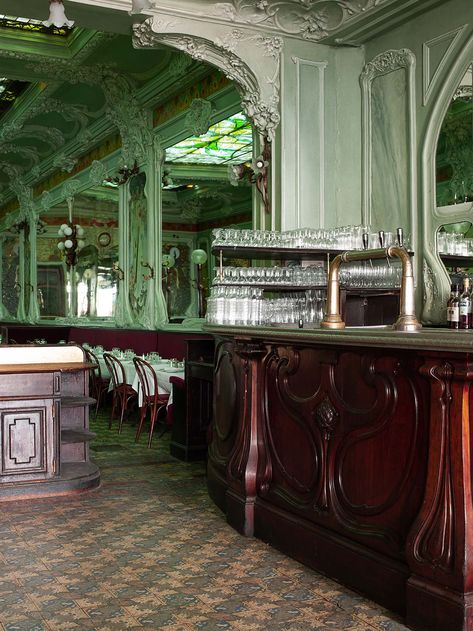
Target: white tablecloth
x=162 y=369
x=164 y=386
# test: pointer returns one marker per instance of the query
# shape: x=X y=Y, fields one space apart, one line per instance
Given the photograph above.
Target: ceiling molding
x=386 y=15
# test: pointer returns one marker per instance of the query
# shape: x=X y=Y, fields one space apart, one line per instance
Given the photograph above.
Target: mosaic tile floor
x=148 y=550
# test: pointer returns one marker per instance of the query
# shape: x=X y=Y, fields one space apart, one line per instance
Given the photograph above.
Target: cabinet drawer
x=27 y=385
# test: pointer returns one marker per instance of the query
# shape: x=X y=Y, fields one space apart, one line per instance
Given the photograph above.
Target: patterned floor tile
x=149 y=550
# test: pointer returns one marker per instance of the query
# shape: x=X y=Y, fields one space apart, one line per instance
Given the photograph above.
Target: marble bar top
x=434 y=339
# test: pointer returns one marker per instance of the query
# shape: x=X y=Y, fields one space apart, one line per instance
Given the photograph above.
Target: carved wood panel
x=26 y=440
x=345 y=451
x=440 y=540
x=226 y=402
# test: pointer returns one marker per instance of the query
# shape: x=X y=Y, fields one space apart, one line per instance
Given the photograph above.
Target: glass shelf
x=456 y=260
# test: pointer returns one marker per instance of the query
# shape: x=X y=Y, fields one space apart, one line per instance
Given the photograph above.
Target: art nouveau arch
x=436 y=279
x=250 y=59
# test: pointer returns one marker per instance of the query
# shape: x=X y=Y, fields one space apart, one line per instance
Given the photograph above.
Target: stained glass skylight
x=28 y=25
x=228 y=142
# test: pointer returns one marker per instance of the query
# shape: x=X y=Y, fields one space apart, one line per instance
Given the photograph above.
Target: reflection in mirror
x=454 y=159
x=138 y=240
x=200 y=192
x=91 y=279
x=10 y=273
x=455 y=240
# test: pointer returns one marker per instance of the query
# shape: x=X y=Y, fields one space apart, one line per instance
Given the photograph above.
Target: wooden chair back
x=147 y=378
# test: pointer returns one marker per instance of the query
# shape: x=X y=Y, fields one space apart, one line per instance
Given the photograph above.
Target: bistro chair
x=150 y=398
x=99 y=384
x=123 y=394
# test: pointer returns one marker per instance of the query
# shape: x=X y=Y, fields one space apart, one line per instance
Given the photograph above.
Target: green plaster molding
x=430 y=75
x=365 y=25
x=79 y=45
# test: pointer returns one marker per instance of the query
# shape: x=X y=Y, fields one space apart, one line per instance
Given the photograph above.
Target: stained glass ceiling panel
x=28 y=25
x=227 y=142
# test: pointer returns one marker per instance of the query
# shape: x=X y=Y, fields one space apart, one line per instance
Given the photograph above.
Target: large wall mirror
x=120 y=107
x=454 y=158
x=454 y=181
x=89 y=287
x=199 y=195
x=448 y=234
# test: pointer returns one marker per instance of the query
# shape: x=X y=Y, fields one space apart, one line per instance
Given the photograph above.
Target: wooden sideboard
x=44 y=422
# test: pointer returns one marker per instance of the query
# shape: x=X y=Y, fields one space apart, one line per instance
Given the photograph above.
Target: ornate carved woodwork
x=355 y=461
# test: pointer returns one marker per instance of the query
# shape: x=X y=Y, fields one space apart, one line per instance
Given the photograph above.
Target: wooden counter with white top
x=351 y=452
x=44 y=422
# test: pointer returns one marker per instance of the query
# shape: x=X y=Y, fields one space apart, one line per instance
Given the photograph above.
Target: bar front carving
x=354 y=458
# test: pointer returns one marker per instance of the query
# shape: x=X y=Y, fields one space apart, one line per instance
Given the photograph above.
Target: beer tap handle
x=382 y=241
x=400 y=237
x=365 y=239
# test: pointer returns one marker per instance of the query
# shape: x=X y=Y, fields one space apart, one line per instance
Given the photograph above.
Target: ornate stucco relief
x=386 y=62
x=311 y=20
x=198 y=117
x=248 y=58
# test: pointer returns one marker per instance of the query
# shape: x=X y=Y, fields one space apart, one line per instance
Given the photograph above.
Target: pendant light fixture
x=57 y=15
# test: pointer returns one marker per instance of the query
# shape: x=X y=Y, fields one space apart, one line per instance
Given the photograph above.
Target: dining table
x=161 y=367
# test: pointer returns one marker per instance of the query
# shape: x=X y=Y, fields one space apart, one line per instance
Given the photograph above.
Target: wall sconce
x=256 y=173
x=124 y=174
x=71 y=238
x=151 y=271
x=57 y=15
x=199 y=258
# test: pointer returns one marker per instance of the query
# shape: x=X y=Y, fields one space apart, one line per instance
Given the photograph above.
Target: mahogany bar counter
x=350 y=451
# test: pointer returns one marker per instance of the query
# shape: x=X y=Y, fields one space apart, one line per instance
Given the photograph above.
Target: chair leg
x=98 y=396
x=123 y=405
x=140 y=425
x=114 y=405
x=154 y=413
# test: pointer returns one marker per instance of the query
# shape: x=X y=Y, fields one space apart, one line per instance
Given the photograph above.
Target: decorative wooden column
x=439 y=548
x=242 y=467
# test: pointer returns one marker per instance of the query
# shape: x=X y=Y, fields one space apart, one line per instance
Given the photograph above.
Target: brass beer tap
x=406 y=321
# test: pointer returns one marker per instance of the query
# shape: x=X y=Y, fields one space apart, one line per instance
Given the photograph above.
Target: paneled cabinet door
x=28 y=440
